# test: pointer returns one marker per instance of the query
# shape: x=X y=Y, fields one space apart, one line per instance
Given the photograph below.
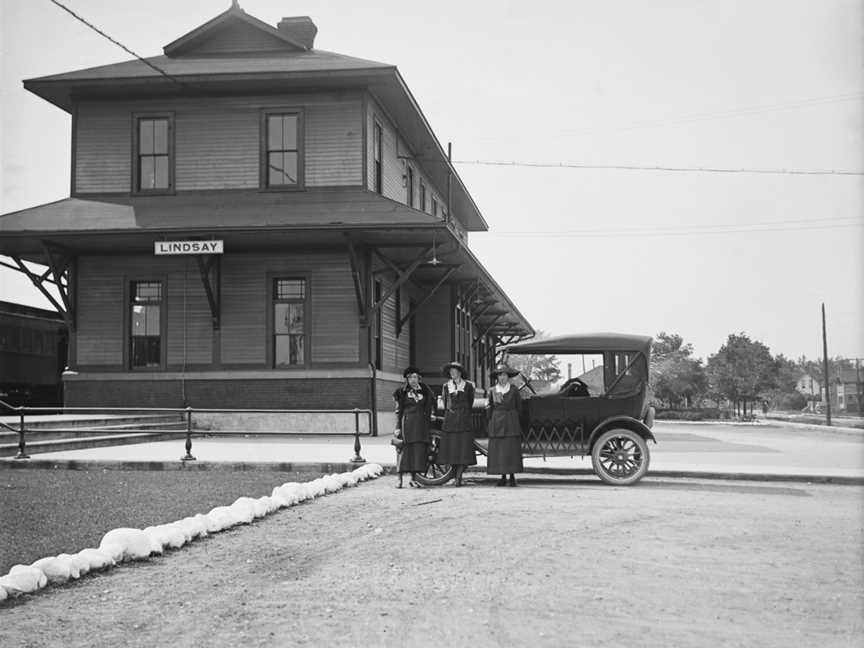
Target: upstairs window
x=422 y=196
x=282 y=161
x=434 y=206
x=377 y=147
x=289 y=322
x=410 y=186
x=153 y=154
x=145 y=317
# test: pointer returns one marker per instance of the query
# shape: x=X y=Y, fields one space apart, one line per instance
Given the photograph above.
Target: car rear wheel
x=620 y=457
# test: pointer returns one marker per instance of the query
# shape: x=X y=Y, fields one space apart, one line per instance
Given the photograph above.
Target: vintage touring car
x=603 y=413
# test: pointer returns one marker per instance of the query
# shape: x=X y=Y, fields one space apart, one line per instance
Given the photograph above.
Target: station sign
x=188 y=247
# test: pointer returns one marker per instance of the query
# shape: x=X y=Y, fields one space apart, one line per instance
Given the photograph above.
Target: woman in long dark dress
x=457 y=435
x=504 y=429
x=414 y=402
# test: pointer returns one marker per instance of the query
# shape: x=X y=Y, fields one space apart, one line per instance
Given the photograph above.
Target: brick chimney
x=300 y=29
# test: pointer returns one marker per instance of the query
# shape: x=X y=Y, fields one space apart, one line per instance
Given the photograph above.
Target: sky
x=720 y=84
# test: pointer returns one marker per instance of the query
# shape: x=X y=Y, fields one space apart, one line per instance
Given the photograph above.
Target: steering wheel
x=575 y=387
x=526 y=382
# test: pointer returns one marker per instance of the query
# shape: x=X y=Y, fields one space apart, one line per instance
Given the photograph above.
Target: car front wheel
x=435 y=474
x=620 y=457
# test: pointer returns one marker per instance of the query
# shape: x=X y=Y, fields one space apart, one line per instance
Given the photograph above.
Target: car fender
x=621 y=421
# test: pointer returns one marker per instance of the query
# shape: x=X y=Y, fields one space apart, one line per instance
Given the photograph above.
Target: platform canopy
x=428 y=249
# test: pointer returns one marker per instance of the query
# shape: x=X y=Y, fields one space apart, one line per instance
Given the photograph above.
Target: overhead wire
x=119 y=44
x=675 y=169
x=567 y=165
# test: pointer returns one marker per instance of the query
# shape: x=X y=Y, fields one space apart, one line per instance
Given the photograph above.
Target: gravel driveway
x=555 y=562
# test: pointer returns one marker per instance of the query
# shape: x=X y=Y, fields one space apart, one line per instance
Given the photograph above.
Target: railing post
x=21 y=446
x=357 y=458
x=188 y=456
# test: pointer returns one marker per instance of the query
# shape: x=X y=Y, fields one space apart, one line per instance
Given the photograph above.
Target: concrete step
x=81 y=443
x=101 y=421
x=8 y=436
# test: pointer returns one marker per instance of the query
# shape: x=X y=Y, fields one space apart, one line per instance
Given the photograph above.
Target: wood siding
x=435 y=332
x=102 y=304
x=103 y=300
x=103 y=148
x=217 y=141
x=334 y=145
x=99 y=335
x=396 y=350
x=190 y=326
x=234 y=38
x=332 y=322
x=394 y=168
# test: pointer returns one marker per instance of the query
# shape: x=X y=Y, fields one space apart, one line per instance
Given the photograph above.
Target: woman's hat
x=411 y=369
x=453 y=365
x=503 y=368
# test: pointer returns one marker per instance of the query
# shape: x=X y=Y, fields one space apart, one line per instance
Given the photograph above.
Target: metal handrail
x=187 y=412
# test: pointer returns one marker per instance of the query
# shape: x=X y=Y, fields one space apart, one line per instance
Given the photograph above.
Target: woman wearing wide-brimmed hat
x=504 y=429
x=414 y=401
x=457 y=435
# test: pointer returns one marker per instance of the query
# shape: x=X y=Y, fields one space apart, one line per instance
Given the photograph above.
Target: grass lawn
x=45 y=512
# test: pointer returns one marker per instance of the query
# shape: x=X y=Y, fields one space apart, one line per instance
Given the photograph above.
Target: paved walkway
x=769 y=451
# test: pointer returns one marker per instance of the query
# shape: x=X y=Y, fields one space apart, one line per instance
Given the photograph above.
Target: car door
x=579 y=410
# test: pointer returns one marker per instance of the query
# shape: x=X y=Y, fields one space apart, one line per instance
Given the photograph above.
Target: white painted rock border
x=122 y=545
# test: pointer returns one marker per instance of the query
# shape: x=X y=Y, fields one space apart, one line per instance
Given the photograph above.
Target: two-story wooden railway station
x=253 y=222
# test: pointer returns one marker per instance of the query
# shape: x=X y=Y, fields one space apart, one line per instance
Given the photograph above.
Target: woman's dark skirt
x=505 y=455
x=457 y=448
x=412 y=457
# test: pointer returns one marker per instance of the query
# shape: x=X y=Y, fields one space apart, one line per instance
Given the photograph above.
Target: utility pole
x=825 y=367
x=858 y=386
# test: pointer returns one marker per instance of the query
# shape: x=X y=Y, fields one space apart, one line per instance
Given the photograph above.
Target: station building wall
x=233 y=366
x=217 y=143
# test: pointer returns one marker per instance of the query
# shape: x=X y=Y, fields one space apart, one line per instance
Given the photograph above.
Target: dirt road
x=555 y=562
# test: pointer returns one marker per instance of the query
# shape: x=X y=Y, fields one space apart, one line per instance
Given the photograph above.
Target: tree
x=742 y=369
x=784 y=395
x=674 y=375
x=541 y=370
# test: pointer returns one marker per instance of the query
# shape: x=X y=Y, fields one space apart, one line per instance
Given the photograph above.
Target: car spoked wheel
x=620 y=457
x=435 y=474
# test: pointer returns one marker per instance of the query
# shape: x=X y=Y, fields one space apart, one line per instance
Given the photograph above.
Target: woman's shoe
x=512 y=480
x=502 y=481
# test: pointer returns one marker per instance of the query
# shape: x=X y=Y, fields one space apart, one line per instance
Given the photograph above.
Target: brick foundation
x=320 y=393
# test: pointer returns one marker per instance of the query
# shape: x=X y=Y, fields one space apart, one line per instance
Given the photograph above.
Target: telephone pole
x=825 y=366
x=858 y=386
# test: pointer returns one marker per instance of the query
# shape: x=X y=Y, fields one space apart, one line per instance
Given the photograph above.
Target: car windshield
x=613 y=373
